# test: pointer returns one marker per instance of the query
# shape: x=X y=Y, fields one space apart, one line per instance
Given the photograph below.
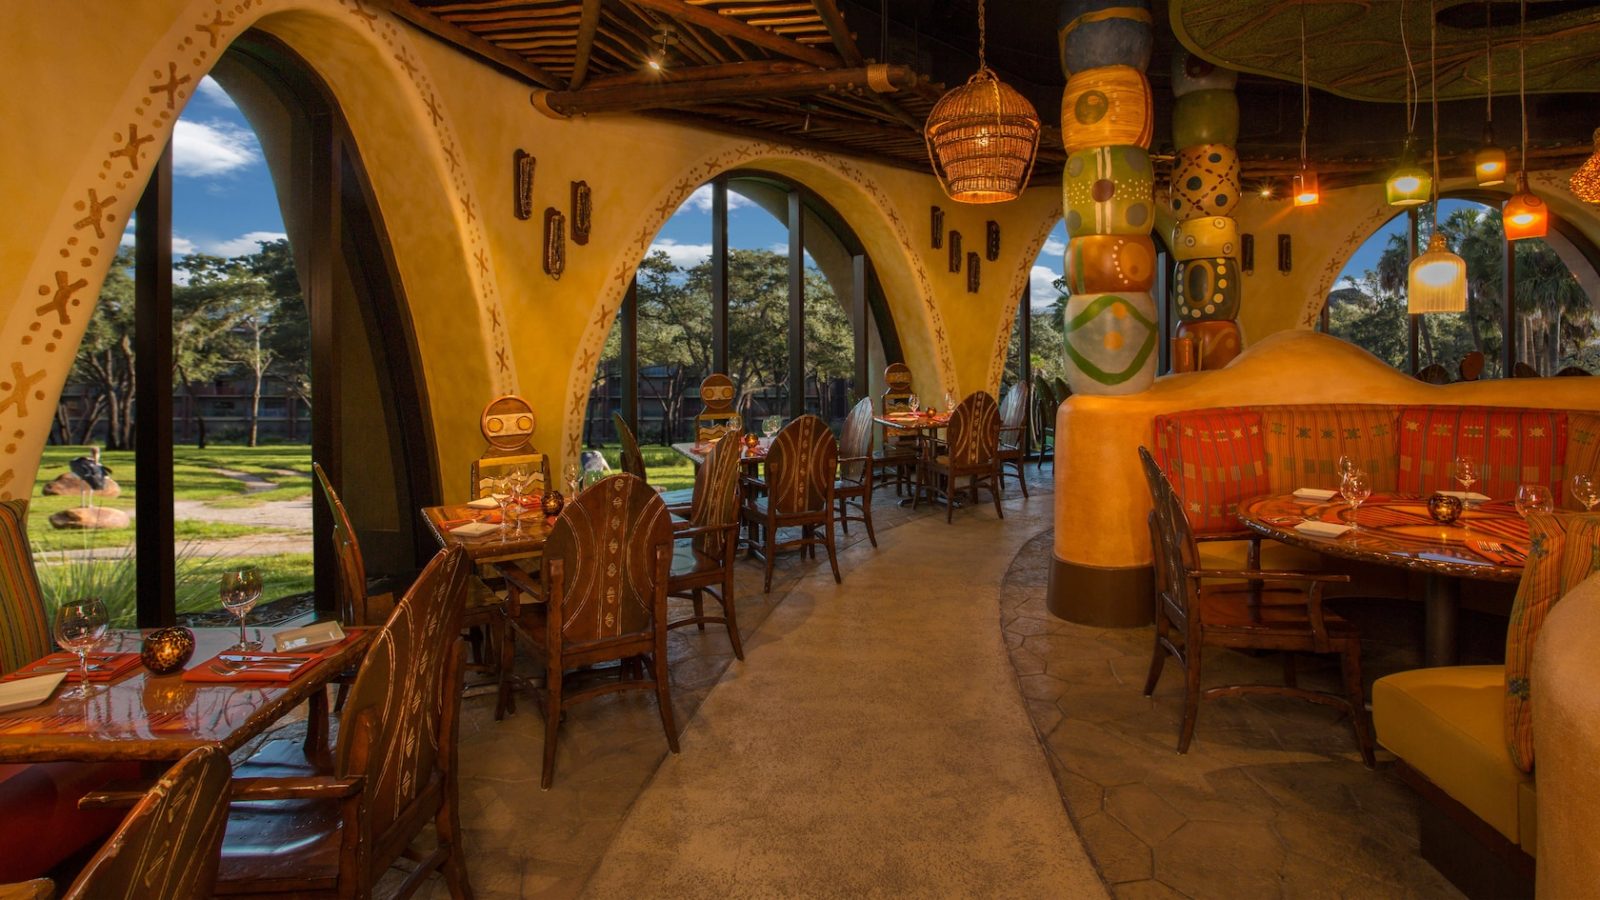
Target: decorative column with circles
x=1203 y=195
x=1107 y=119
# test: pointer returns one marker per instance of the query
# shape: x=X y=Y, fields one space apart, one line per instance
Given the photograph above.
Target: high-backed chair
x=169 y=844
x=717 y=414
x=297 y=831
x=356 y=605
x=800 y=471
x=900 y=451
x=26 y=635
x=1471 y=366
x=703 y=554
x=632 y=459
x=1570 y=371
x=1258 y=610
x=605 y=572
x=508 y=424
x=1434 y=374
x=1044 y=420
x=971 y=450
x=1013 y=425
x=1523 y=370
x=854 y=485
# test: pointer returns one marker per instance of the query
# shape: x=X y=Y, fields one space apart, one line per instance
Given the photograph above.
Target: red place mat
x=202 y=671
x=111 y=666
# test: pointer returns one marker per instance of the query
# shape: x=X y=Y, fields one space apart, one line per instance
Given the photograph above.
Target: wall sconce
x=1247 y=254
x=1285 y=262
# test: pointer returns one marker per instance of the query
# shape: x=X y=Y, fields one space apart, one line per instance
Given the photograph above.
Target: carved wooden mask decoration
x=582 y=212
x=972 y=273
x=522 y=186
x=991 y=242
x=938 y=227
x=555 y=242
x=955 y=251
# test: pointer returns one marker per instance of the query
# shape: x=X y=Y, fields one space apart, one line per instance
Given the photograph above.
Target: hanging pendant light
x=1585 y=182
x=1524 y=215
x=1409 y=184
x=1305 y=183
x=983 y=136
x=1436 y=281
x=1490 y=161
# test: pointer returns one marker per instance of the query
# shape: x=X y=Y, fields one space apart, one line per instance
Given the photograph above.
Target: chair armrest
x=112 y=799
x=1264 y=575
x=37 y=889
x=694 y=530
x=312 y=787
x=1228 y=536
x=854 y=459
x=682 y=509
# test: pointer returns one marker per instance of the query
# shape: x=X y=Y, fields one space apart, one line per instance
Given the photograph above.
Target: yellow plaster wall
x=436 y=132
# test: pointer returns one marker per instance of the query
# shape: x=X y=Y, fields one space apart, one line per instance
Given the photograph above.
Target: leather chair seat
x=295 y=842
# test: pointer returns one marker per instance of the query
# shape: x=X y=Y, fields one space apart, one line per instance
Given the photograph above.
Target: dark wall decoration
x=937 y=219
x=555 y=242
x=972 y=273
x=991 y=240
x=582 y=211
x=522 y=192
x=955 y=251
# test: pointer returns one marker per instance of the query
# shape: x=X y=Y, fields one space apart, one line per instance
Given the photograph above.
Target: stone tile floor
x=1271 y=800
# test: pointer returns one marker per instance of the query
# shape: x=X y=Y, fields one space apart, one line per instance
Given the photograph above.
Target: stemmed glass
x=771 y=425
x=1585 y=491
x=79 y=627
x=1346 y=465
x=1466 y=472
x=573 y=477
x=241 y=588
x=913 y=403
x=500 y=490
x=949 y=403
x=1357 y=488
x=1531 y=497
x=517 y=488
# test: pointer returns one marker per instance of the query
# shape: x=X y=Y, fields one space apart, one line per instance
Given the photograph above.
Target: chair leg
x=1191 y=696
x=731 y=617
x=1022 y=479
x=833 y=559
x=1351 y=664
x=552 y=722
x=699 y=609
x=505 y=702
x=844 y=516
x=447 y=830
x=1158 y=657
x=866 y=517
x=995 y=492
x=771 y=539
x=658 y=668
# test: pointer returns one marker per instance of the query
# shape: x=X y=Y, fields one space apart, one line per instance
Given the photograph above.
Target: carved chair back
x=1045 y=403
x=974 y=435
x=632 y=459
x=1014 y=412
x=898 y=388
x=800 y=469
x=25 y=636
x=1172 y=541
x=716 y=494
x=170 y=843
x=398 y=727
x=856 y=441
x=1471 y=366
x=604 y=564
x=1434 y=374
x=1523 y=370
x=352 y=569
x=717 y=414
x=508 y=424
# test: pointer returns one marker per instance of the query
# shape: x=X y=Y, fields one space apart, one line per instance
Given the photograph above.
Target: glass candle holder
x=1444 y=508
x=165 y=650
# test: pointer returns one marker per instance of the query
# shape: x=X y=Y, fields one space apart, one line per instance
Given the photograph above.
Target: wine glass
x=500 y=490
x=1466 y=472
x=1531 y=497
x=1346 y=465
x=1357 y=488
x=1585 y=491
x=949 y=403
x=913 y=403
x=771 y=425
x=79 y=627
x=241 y=588
x=517 y=492
x=573 y=476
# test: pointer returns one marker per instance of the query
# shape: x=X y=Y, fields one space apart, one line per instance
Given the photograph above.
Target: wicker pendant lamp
x=1525 y=215
x=983 y=136
x=1436 y=281
x=1585 y=182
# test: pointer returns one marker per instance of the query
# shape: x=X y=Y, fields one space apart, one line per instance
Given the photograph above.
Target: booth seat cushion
x=40 y=823
x=1447 y=724
x=1304 y=442
x=1583 y=452
x=1516 y=446
x=1215 y=458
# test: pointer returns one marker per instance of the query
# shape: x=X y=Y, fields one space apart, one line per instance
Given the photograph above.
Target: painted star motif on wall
x=63 y=295
x=96 y=207
x=17 y=389
x=171 y=85
x=130 y=147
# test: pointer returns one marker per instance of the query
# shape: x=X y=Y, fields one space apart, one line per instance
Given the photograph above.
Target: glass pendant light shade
x=1410 y=184
x=1525 y=216
x=1437 y=280
x=1585 y=182
x=1306 y=192
x=1490 y=161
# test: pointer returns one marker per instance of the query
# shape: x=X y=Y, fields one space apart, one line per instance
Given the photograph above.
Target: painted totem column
x=1204 y=193
x=1107 y=117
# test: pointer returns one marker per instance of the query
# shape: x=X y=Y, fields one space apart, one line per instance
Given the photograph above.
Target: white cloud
x=700 y=200
x=684 y=256
x=182 y=246
x=209 y=149
x=213 y=92
x=1044 y=292
x=246 y=243
x=1054 y=248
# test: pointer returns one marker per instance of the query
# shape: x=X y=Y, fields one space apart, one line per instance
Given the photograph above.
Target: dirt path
x=264 y=545
x=269 y=514
x=253 y=483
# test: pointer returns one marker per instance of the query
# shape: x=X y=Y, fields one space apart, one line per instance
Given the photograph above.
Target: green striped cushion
x=24 y=627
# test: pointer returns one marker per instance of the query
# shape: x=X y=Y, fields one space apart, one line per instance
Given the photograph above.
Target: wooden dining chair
x=604 y=574
x=897 y=459
x=508 y=424
x=1013 y=425
x=856 y=462
x=1471 y=366
x=1253 y=610
x=25 y=636
x=1523 y=370
x=632 y=460
x=170 y=842
x=717 y=415
x=357 y=606
x=298 y=830
x=1434 y=374
x=796 y=492
x=971 y=450
x=1044 y=421
x=703 y=554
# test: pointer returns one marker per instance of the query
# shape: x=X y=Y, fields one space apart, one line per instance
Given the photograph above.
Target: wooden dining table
x=750 y=458
x=1489 y=542
x=152 y=718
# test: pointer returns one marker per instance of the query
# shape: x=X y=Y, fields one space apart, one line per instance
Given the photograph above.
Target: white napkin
x=474 y=529
x=1322 y=529
x=1466 y=496
x=1314 y=494
x=484 y=503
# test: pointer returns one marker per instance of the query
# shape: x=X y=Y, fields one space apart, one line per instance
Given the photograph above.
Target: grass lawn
x=111 y=577
x=667 y=468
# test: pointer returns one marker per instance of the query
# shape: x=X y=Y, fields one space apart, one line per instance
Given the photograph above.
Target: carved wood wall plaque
x=991 y=242
x=522 y=184
x=582 y=212
x=972 y=273
x=937 y=218
x=955 y=251
x=555 y=242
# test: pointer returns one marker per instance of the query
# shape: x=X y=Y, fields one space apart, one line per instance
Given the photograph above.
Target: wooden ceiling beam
x=473 y=45
x=588 y=23
x=731 y=27
x=703 y=73
x=635 y=98
x=918 y=164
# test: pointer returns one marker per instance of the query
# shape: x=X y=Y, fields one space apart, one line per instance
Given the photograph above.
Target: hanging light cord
x=1488 y=65
x=983 y=38
x=1413 y=88
x=1433 y=88
x=1522 y=79
x=1305 y=88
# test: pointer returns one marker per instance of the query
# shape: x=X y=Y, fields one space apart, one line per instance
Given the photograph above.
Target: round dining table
x=1488 y=542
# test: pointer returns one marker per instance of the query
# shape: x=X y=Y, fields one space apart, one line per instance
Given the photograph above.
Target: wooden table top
x=494 y=547
x=917 y=422
x=696 y=453
x=1396 y=530
x=159 y=718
